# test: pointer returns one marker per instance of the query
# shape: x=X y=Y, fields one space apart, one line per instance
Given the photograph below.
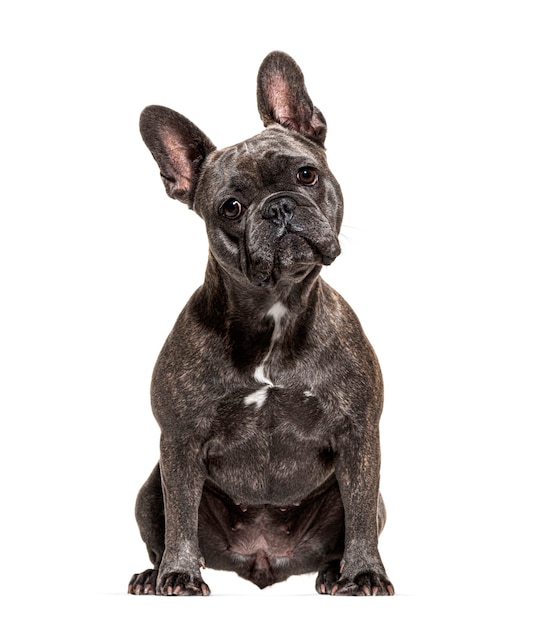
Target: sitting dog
x=267 y=392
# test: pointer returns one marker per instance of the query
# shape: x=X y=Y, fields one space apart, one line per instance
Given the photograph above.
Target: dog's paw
x=144 y=583
x=182 y=584
x=327 y=578
x=363 y=584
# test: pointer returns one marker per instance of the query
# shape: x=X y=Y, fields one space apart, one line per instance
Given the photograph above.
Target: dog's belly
x=266 y=544
x=269 y=446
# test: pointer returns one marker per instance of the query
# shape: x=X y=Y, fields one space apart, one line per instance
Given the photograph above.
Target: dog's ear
x=283 y=98
x=179 y=148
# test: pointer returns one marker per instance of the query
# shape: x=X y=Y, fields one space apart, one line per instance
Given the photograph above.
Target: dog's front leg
x=357 y=470
x=183 y=477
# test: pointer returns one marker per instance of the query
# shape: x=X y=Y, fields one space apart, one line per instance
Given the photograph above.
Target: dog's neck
x=253 y=318
x=241 y=298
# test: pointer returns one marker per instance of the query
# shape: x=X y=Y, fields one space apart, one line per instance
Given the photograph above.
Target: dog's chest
x=268 y=445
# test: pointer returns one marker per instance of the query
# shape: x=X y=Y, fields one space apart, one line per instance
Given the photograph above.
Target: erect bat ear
x=179 y=148
x=282 y=98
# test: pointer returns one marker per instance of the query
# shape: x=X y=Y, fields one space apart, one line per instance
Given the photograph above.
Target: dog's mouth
x=294 y=258
x=278 y=242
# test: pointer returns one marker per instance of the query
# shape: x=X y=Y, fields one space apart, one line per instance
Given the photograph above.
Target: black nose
x=280 y=210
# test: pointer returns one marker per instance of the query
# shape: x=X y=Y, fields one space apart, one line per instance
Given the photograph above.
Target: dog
x=267 y=392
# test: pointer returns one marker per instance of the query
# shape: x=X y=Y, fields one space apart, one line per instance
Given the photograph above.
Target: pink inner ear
x=180 y=161
x=280 y=99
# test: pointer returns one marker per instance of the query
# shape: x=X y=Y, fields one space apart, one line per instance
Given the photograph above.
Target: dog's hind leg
x=151 y=522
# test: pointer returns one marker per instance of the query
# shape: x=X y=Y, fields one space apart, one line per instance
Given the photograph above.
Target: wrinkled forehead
x=273 y=150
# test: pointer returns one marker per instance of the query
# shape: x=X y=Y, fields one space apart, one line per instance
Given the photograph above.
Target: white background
x=435 y=133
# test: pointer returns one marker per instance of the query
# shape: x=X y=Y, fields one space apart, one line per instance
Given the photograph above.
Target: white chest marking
x=260 y=377
x=258 y=397
x=277 y=311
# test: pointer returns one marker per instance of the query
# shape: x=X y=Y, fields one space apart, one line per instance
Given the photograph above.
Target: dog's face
x=272 y=207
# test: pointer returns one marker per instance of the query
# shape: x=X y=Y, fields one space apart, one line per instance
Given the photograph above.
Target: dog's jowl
x=267 y=392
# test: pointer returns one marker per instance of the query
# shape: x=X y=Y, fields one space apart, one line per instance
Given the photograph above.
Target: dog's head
x=272 y=207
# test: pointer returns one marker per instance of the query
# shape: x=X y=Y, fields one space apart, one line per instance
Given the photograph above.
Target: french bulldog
x=267 y=393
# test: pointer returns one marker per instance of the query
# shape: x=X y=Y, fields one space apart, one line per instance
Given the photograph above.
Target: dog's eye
x=307 y=176
x=232 y=209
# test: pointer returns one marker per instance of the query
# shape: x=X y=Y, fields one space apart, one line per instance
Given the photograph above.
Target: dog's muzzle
x=289 y=232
